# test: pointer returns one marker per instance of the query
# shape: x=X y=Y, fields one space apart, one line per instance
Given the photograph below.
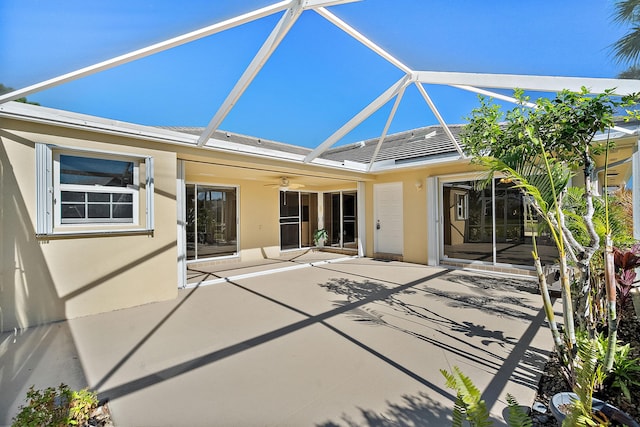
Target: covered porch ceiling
x=290 y=12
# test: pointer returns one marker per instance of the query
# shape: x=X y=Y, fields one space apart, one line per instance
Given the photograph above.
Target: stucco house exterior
x=98 y=215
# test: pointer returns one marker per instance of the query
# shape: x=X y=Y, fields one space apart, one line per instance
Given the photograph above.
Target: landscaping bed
x=552 y=380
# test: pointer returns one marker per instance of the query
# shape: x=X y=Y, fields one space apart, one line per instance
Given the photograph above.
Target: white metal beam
x=312 y=4
x=359 y=118
x=386 y=127
x=361 y=38
x=526 y=104
x=149 y=50
x=527 y=82
x=269 y=46
x=494 y=95
x=435 y=111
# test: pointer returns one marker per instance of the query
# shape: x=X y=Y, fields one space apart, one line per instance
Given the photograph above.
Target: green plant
x=539 y=147
x=56 y=407
x=321 y=234
x=470 y=407
x=626 y=371
x=588 y=372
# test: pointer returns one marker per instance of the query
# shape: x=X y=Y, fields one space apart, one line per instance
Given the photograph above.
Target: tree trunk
x=548 y=309
x=610 y=283
x=567 y=303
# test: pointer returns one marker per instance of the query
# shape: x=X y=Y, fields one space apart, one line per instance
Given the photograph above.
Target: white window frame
x=48 y=191
x=132 y=189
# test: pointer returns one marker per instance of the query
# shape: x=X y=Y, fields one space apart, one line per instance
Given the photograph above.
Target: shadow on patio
x=358 y=342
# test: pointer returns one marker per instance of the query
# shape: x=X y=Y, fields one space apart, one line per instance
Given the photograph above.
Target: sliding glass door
x=298 y=219
x=211 y=222
x=340 y=219
x=491 y=224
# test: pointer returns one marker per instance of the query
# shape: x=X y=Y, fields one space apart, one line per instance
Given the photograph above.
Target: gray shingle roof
x=430 y=141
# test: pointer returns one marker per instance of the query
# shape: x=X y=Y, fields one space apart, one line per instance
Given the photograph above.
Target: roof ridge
x=391 y=136
x=219 y=132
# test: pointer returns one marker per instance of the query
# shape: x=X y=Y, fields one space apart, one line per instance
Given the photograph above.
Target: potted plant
x=568 y=404
x=319 y=237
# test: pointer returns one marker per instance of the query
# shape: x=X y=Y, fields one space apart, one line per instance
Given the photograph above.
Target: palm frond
x=626 y=11
x=627 y=48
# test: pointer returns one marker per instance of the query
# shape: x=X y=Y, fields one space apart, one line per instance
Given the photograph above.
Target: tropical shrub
x=626 y=262
x=56 y=407
x=539 y=149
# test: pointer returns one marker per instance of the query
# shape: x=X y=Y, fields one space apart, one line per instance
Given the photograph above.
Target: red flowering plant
x=626 y=261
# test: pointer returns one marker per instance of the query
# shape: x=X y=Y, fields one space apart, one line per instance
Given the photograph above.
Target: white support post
x=359 y=118
x=150 y=193
x=434 y=230
x=386 y=127
x=149 y=50
x=362 y=220
x=269 y=46
x=181 y=236
x=321 y=221
x=435 y=111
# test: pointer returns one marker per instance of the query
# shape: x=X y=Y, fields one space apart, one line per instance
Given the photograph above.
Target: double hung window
x=80 y=191
x=96 y=190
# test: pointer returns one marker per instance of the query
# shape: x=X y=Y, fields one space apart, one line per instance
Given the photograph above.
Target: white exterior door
x=388 y=222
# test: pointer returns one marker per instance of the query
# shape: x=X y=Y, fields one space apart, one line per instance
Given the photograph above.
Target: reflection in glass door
x=289 y=220
x=340 y=219
x=491 y=224
x=211 y=223
x=298 y=219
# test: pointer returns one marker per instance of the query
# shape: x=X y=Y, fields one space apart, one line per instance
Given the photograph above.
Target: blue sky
x=317 y=79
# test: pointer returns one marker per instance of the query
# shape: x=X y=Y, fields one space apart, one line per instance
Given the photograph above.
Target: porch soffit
x=291 y=11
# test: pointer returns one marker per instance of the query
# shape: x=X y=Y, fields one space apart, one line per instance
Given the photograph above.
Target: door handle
x=378 y=225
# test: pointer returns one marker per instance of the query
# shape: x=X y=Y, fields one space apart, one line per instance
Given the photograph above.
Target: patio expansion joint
x=266 y=272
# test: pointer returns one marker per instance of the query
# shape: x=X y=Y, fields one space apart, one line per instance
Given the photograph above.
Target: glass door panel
x=289 y=220
x=471 y=231
x=341 y=219
x=349 y=223
x=211 y=226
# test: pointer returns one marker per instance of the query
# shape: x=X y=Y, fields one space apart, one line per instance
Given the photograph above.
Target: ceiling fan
x=285 y=184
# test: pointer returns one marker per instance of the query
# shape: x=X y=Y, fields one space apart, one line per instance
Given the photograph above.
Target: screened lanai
x=286 y=19
x=285 y=24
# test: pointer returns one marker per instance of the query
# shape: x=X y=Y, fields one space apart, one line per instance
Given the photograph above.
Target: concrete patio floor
x=353 y=343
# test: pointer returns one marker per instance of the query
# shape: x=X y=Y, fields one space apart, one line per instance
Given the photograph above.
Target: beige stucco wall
x=44 y=280
x=416 y=197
